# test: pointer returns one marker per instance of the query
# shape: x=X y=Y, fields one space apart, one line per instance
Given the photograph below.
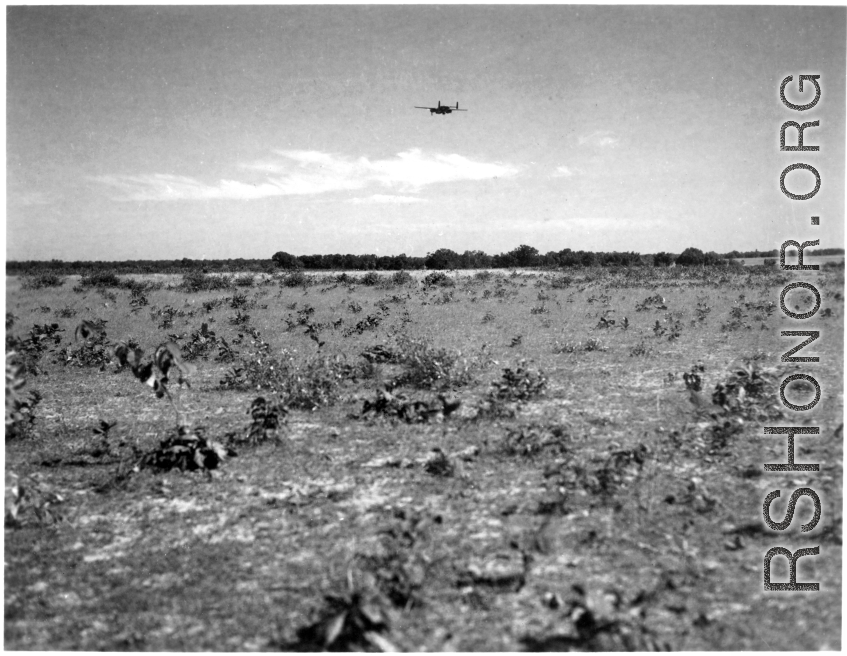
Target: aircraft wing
x=416 y=107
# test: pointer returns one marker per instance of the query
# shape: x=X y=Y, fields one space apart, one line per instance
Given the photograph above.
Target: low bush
x=187 y=450
x=398 y=406
x=43 y=280
x=197 y=281
x=561 y=282
x=402 y=278
x=438 y=279
x=102 y=279
x=533 y=439
x=370 y=279
x=429 y=367
x=296 y=279
x=506 y=395
x=306 y=385
x=267 y=416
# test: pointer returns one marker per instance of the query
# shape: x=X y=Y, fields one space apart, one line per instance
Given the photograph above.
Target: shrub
x=402 y=278
x=101 y=279
x=245 y=280
x=308 y=385
x=94 y=351
x=520 y=384
x=395 y=405
x=370 y=322
x=43 y=280
x=31 y=349
x=371 y=278
x=429 y=367
x=200 y=343
x=197 y=281
x=186 y=449
x=747 y=392
x=266 y=419
x=535 y=438
x=438 y=278
x=296 y=279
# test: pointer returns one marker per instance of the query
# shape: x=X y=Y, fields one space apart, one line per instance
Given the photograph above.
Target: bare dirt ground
x=516 y=463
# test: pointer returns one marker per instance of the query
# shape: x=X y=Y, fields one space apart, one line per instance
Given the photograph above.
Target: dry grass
x=610 y=480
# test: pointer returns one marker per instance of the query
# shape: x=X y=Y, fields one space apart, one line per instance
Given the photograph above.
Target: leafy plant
x=30 y=495
x=266 y=417
x=349 y=622
x=532 y=439
x=240 y=318
x=94 y=350
x=370 y=322
x=439 y=463
x=225 y=352
x=426 y=366
x=200 y=343
x=187 y=450
x=395 y=405
x=517 y=386
x=656 y=302
x=20 y=406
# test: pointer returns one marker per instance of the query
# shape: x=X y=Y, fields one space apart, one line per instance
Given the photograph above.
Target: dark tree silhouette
x=691 y=257
x=286 y=261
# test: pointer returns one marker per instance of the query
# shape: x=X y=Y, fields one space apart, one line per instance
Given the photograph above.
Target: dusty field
x=580 y=501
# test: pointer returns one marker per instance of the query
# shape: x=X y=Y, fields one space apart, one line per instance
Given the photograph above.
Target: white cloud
x=28 y=198
x=600 y=138
x=299 y=172
x=562 y=172
x=382 y=198
x=161 y=186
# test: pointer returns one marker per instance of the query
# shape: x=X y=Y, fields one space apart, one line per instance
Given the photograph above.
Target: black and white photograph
x=424 y=327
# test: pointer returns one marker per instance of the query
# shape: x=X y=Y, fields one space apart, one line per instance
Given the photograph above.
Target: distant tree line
x=185 y=265
x=443 y=258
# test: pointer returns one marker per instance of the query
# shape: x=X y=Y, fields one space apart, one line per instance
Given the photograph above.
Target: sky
x=163 y=132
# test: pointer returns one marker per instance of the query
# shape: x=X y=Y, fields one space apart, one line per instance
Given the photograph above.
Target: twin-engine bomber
x=442 y=109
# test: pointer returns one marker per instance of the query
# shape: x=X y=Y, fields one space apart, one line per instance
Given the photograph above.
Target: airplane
x=442 y=109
